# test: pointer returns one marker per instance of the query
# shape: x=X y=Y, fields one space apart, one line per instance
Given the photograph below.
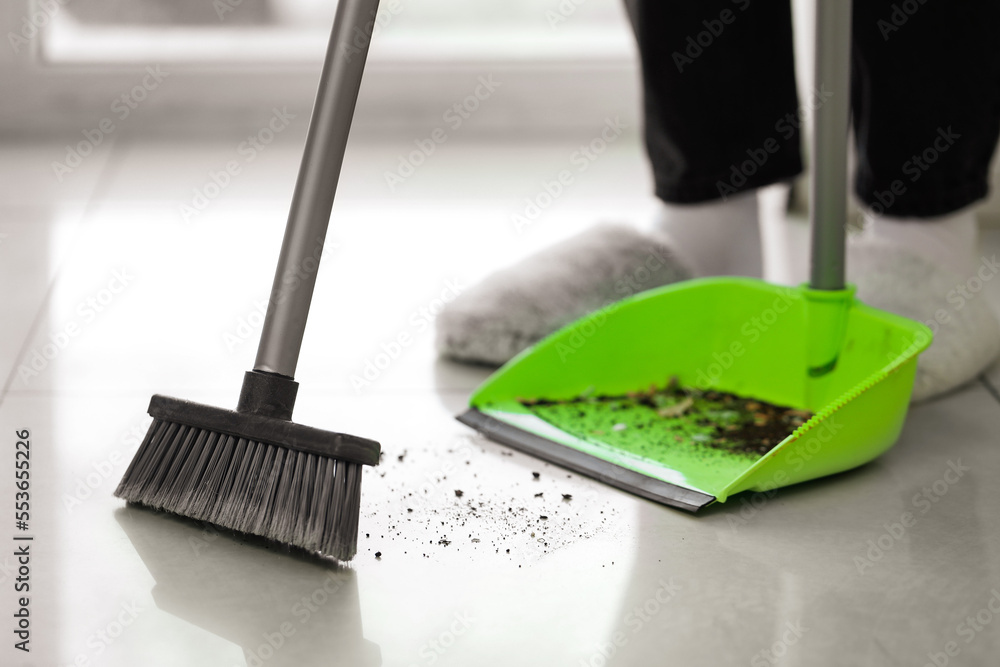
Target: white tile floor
x=103 y=275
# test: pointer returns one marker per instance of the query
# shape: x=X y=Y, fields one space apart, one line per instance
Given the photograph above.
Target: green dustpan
x=814 y=348
x=742 y=336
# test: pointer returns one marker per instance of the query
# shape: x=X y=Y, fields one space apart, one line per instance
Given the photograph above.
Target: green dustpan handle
x=828 y=188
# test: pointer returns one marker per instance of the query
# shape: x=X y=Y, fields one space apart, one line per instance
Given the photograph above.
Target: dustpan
x=814 y=348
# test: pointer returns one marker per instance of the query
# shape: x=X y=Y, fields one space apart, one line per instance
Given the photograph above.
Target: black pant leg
x=721 y=109
x=926 y=100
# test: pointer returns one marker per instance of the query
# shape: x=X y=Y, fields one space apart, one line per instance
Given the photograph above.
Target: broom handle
x=828 y=187
x=309 y=217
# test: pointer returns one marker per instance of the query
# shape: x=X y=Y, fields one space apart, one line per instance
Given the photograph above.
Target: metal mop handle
x=302 y=247
x=829 y=145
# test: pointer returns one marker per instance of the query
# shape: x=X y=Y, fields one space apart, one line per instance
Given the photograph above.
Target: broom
x=253 y=470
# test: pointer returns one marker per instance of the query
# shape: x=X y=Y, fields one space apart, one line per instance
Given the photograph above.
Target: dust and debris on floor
x=472 y=498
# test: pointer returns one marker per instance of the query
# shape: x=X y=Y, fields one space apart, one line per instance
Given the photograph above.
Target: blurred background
x=565 y=62
x=565 y=65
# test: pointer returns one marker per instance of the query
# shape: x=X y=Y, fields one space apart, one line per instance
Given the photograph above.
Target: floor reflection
x=281 y=608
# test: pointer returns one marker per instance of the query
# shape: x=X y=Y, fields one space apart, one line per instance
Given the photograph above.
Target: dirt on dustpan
x=674 y=416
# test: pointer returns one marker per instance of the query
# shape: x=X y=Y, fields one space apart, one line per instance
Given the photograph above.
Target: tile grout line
x=100 y=188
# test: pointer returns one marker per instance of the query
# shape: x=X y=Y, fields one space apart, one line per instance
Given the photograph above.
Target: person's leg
x=721 y=119
x=721 y=109
x=926 y=99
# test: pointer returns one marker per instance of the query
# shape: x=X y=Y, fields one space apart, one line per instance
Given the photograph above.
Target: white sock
x=966 y=336
x=719 y=238
x=948 y=241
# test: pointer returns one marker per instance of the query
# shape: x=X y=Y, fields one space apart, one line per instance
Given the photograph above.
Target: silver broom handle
x=828 y=188
x=309 y=217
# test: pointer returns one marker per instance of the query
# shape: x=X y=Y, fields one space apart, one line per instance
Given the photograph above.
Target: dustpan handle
x=828 y=187
x=305 y=233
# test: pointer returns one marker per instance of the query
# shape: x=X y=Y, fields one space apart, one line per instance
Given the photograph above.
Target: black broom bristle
x=284 y=493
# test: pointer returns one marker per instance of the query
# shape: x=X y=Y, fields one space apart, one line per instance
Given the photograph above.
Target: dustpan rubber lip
x=585 y=464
